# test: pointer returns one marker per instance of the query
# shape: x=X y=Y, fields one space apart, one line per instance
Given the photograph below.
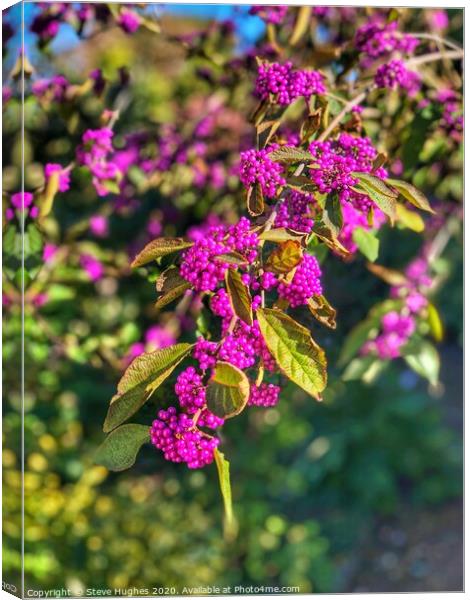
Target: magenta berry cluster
x=305 y=283
x=395 y=74
x=176 y=435
x=257 y=167
x=270 y=14
x=285 y=84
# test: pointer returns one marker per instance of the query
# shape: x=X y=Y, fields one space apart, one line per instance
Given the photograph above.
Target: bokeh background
x=359 y=493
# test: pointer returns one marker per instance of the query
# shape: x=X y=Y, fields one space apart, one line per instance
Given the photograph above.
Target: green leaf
x=171 y=285
x=332 y=215
x=223 y=470
x=423 y=358
x=119 y=450
x=378 y=192
x=289 y=154
x=329 y=239
x=412 y=194
x=295 y=352
x=409 y=219
x=367 y=243
x=228 y=391
x=239 y=296
x=141 y=379
x=359 y=367
x=255 y=200
x=356 y=339
x=435 y=323
x=281 y=235
x=159 y=247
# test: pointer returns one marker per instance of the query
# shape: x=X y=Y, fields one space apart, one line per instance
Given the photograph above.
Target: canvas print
x=232 y=299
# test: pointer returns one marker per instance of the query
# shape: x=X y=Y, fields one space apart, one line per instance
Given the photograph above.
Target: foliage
x=136 y=175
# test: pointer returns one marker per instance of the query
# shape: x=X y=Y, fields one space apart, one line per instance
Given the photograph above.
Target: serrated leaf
x=281 y=234
x=311 y=125
x=232 y=258
x=435 y=323
x=159 y=247
x=367 y=243
x=295 y=352
x=378 y=192
x=322 y=310
x=171 y=285
x=141 y=378
x=255 y=200
x=290 y=154
x=239 y=296
x=228 y=391
x=119 y=450
x=409 y=219
x=423 y=358
x=412 y=194
x=223 y=470
x=285 y=257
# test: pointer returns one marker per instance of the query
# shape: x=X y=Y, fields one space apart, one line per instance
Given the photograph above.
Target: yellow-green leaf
x=239 y=295
x=171 y=285
x=119 y=450
x=367 y=243
x=227 y=391
x=159 y=247
x=223 y=470
x=295 y=352
x=301 y=24
x=412 y=194
x=285 y=257
x=409 y=219
x=46 y=199
x=290 y=154
x=435 y=323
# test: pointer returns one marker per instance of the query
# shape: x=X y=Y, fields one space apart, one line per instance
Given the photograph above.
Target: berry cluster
x=305 y=283
x=22 y=202
x=395 y=74
x=398 y=327
x=178 y=438
x=201 y=265
x=266 y=394
x=378 y=38
x=286 y=84
x=257 y=167
x=94 y=154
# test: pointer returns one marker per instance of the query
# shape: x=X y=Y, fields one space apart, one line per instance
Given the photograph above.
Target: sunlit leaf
x=435 y=323
x=367 y=243
x=322 y=310
x=295 y=352
x=302 y=23
x=171 y=285
x=223 y=470
x=390 y=276
x=290 y=154
x=423 y=358
x=159 y=247
x=412 y=194
x=255 y=200
x=285 y=257
x=239 y=296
